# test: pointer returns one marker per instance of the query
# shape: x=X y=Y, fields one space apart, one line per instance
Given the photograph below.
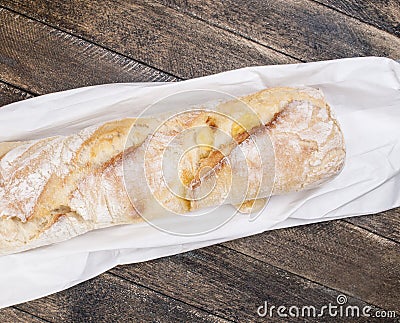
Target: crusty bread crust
x=56 y=188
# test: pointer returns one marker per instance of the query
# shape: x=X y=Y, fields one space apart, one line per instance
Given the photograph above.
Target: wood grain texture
x=152 y=33
x=13 y=315
x=108 y=298
x=386 y=224
x=227 y=283
x=382 y=14
x=337 y=254
x=307 y=265
x=10 y=94
x=300 y=28
x=41 y=59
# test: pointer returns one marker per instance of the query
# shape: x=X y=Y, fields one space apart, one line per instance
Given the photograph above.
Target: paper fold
x=364 y=93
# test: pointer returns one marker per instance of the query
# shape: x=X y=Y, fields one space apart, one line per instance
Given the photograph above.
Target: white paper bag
x=364 y=93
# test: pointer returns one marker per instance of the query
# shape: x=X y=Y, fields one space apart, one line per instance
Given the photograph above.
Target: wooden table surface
x=48 y=46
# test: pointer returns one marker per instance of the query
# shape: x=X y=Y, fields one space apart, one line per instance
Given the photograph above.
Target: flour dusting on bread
x=275 y=141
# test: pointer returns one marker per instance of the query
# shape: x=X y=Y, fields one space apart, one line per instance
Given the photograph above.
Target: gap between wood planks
x=234 y=32
x=369 y=230
x=111 y=272
x=386 y=223
x=377 y=235
x=108 y=297
x=34 y=317
x=60 y=303
x=236 y=280
x=392 y=30
x=66 y=32
x=359 y=41
x=303 y=277
x=339 y=291
x=93 y=34
x=74 y=61
x=306 y=247
x=254 y=51
x=241 y=26
x=236 y=283
x=131 y=70
x=104 y=47
x=13 y=87
x=34 y=93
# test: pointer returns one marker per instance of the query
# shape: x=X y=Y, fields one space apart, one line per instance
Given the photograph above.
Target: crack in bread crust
x=55 y=188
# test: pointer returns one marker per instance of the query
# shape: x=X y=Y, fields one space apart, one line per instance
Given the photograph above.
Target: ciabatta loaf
x=238 y=152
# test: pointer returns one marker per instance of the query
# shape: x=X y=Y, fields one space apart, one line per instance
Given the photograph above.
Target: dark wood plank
x=41 y=59
x=386 y=224
x=10 y=94
x=382 y=14
x=336 y=254
x=300 y=28
x=227 y=283
x=152 y=33
x=103 y=31
x=108 y=298
x=13 y=315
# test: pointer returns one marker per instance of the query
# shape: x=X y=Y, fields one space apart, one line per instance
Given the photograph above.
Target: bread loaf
x=238 y=152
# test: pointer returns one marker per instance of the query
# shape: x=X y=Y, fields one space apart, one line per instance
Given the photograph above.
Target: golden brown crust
x=56 y=188
x=308 y=149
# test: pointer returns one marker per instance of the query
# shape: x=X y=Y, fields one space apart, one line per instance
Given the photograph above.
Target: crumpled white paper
x=364 y=93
